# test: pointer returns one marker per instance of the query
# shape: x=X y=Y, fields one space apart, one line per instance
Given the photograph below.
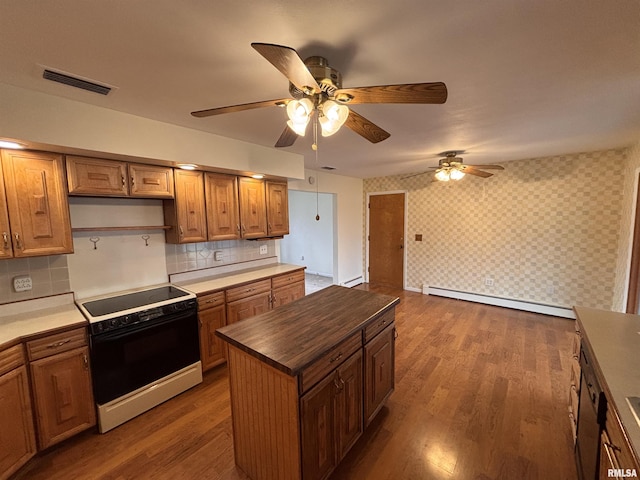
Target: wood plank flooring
x=481 y=393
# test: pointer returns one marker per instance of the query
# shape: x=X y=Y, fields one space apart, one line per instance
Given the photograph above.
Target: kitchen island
x=307 y=378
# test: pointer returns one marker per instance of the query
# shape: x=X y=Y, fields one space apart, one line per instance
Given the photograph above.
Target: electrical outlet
x=263 y=250
x=217 y=255
x=488 y=282
x=22 y=283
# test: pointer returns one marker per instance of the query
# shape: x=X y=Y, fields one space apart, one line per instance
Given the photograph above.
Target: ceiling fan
x=451 y=167
x=316 y=88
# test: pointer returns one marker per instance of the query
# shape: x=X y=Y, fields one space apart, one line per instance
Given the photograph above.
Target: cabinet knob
x=181 y=230
x=5 y=239
x=18 y=241
x=85 y=360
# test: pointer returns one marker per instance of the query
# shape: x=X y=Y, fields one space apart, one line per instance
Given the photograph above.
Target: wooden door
x=248 y=307
x=150 y=181
x=211 y=347
x=221 y=192
x=37 y=203
x=253 y=210
x=386 y=239
x=277 y=209
x=186 y=214
x=6 y=249
x=17 y=436
x=348 y=404
x=63 y=395
x=379 y=372
x=95 y=176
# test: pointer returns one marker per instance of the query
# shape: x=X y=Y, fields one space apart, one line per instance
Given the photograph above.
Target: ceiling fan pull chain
x=315 y=148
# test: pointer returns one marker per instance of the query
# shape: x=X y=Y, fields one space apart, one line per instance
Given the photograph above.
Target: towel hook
x=146 y=239
x=94 y=240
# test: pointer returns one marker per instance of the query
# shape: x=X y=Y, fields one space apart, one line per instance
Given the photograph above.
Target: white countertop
x=220 y=282
x=37 y=316
x=614 y=339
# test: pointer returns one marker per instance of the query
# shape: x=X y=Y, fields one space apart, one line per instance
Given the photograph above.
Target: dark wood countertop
x=293 y=336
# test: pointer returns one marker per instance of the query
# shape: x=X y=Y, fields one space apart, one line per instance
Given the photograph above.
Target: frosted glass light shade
x=456 y=174
x=299 y=113
x=333 y=117
x=442 y=175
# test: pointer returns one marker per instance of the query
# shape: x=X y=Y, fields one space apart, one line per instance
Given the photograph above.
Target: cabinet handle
x=85 y=360
x=5 y=239
x=123 y=180
x=58 y=344
x=395 y=333
x=243 y=228
x=612 y=446
x=339 y=383
x=181 y=230
x=238 y=226
x=133 y=181
x=18 y=241
x=335 y=359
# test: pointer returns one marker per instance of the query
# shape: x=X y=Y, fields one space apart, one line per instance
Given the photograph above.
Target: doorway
x=633 y=287
x=386 y=238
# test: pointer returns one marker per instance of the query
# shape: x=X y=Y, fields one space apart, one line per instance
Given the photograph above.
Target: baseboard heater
x=353 y=282
x=554 y=310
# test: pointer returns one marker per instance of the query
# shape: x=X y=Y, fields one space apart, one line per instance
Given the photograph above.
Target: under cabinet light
x=187 y=166
x=8 y=144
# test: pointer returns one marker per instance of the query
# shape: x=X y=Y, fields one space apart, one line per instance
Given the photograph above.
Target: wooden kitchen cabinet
x=277 y=208
x=61 y=384
x=253 y=208
x=6 y=245
x=248 y=300
x=150 y=181
x=287 y=287
x=211 y=315
x=186 y=214
x=615 y=451
x=37 y=203
x=17 y=434
x=379 y=379
x=223 y=216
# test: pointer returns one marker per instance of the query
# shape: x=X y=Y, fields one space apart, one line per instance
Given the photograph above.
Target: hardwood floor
x=481 y=393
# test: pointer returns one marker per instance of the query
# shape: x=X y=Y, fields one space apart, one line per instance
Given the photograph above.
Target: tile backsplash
x=49 y=276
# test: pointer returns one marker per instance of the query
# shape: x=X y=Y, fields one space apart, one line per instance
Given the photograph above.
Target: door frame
x=404 y=226
x=631 y=297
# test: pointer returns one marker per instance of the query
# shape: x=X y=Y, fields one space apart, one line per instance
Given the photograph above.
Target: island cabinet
x=61 y=384
x=34 y=216
x=298 y=380
x=17 y=434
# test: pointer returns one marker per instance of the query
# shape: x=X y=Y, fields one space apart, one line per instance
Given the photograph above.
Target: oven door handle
x=135 y=328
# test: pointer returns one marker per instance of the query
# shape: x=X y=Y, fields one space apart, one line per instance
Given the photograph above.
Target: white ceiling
x=525 y=78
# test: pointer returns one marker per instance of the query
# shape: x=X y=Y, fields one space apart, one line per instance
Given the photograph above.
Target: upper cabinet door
x=277 y=209
x=93 y=176
x=221 y=193
x=253 y=210
x=186 y=214
x=37 y=203
x=6 y=251
x=150 y=181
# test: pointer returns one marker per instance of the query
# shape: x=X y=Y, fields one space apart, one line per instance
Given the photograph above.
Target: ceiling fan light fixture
x=442 y=175
x=333 y=117
x=299 y=113
x=456 y=174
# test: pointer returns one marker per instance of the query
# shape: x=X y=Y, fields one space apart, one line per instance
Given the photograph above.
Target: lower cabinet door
x=288 y=294
x=63 y=395
x=17 y=437
x=348 y=404
x=211 y=347
x=379 y=371
x=318 y=439
x=248 y=307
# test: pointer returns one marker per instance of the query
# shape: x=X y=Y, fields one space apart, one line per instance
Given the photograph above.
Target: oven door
x=133 y=357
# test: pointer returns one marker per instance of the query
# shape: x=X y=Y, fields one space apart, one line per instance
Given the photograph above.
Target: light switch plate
x=22 y=283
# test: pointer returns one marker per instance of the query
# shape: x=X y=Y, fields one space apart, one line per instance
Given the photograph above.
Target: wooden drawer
x=11 y=358
x=248 y=290
x=576 y=345
x=379 y=324
x=573 y=401
x=618 y=441
x=575 y=374
x=56 y=343
x=210 y=300
x=287 y=279
x=329 y=361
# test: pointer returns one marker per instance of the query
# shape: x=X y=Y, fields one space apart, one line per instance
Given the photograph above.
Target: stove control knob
x=125 y=320
x=113 y=322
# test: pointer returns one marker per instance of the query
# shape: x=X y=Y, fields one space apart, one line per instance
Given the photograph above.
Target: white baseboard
x=413 y=289
x=554 y=310
x=353 y=282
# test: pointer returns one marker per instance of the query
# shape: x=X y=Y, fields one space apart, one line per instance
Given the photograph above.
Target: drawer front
x=575 y=374
x=210 y=300
x=248 y=290
x=287 y=278
x=329 y=361
x=379 y=324
x=11 y=358
x=576 y=345
x=56 y=343
x=573 y=398
x=618 y=441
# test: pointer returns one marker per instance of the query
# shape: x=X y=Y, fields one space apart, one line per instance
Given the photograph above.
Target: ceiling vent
x=75 y=82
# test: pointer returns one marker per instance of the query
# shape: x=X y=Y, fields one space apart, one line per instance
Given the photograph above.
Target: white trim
x=555 y=310
x=627 y=276
x=404 y=228
x=353 y=282
x=413 y=289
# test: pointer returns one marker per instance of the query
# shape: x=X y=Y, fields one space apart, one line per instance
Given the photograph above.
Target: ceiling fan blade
x=289 y=63
x=486 y=167
x=365 y=128
x=414 y=175
x=435 y=92
x=239 y=108
x=474 y=171
x=287 y=138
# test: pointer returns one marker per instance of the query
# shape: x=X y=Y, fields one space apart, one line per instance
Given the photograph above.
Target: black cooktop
x=129 y=301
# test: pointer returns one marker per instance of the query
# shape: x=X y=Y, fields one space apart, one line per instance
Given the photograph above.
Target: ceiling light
x=299 y=112
x=187 y=166
x=8 y=144
x=442 y=175
x=456 y=174
x=333 y=117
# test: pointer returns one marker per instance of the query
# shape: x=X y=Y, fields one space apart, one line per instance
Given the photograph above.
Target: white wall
x=50 y=120
x=310 y=241
x=348 y=225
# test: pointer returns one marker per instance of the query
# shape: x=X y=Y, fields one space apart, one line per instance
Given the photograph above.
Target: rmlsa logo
x=622 y=473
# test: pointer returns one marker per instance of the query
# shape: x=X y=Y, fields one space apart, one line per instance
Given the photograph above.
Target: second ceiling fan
x=316 y=88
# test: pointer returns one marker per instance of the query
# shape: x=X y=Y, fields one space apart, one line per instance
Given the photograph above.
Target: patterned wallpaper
x=544 y=230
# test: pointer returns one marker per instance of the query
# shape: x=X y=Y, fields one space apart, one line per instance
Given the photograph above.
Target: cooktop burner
x=135 y=300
